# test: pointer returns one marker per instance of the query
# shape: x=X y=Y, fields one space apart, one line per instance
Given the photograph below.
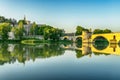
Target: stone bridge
x=88 y=37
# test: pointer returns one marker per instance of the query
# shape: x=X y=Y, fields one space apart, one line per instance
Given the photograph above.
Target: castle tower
x=24 y=18
x=26 y=21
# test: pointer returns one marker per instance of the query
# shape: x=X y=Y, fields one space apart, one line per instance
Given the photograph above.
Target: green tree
x=79 y=30
x=2 y=19
x=4 y=29
x=5 y=20
x=23 y=21
x=56 y=33
x=34 y=29
x=18 y=31
x=41 y=29
x=99 y=31
x=107 y=31
x=46 y=33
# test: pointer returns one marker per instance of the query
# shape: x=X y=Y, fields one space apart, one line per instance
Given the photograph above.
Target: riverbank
x=35 y=42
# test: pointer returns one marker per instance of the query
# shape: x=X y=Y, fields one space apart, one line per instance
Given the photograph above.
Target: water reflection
x=10 y=53
x=101 y=46
x=84 y=50
x=97 y=49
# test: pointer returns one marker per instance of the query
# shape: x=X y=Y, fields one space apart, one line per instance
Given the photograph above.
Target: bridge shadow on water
x=99 y=47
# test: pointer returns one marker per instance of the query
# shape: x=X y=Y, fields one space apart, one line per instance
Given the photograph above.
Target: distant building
x=11 y=35
x=27 y=26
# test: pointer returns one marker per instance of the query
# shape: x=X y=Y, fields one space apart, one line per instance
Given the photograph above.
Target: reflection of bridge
x=89 y=48
x=89 y=37
x=110 y=49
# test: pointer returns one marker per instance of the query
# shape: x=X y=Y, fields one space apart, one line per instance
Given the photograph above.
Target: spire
x=24 y=18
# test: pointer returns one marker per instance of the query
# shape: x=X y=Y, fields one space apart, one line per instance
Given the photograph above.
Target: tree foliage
x=18 y=30
x=6 y=20
x=22 y=21
x=79 y=30
x=4 y=29
x=20 y=51
x=34 y=29
x=50 y=32
x=99 y=31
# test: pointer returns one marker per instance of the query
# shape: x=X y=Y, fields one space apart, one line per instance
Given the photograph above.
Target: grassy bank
x=36 y=41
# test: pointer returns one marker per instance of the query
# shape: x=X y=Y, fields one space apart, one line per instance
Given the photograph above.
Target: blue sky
x=66 y=14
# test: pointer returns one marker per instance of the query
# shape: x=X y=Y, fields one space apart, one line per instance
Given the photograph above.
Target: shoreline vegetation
x=25 y=32
x=35 y=42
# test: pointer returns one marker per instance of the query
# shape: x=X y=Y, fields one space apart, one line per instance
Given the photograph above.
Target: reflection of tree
x=79 y=53
x=100 y=43
x=4 y=57
x=18 y=53
x=22 y=53
x=45 y=51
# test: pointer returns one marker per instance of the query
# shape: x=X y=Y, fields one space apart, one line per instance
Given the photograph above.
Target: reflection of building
x=11 y=47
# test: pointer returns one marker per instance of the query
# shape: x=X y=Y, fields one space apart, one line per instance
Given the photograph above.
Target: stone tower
x=24 y=18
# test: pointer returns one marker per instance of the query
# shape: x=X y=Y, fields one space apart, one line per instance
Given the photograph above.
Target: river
x=59 y=62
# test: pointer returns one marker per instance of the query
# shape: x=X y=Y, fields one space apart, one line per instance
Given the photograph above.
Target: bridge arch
x=100 y=38
x=71 y=38
x=100 y=43
x=111 y=37
x=65 y=38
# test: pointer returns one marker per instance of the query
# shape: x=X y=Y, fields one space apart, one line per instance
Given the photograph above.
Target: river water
x=59 y=62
